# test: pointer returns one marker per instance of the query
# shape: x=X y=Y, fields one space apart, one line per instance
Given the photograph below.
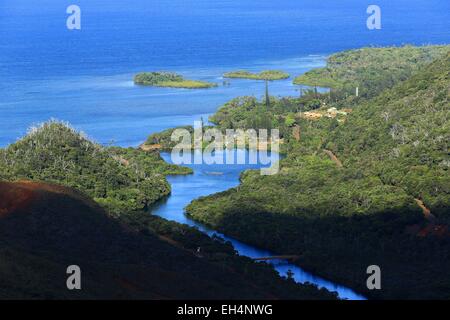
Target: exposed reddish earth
x=426 y=212
x=432 y=228
x=44 y=228
x=334 y=158
x=14 y=197
x=18 y=196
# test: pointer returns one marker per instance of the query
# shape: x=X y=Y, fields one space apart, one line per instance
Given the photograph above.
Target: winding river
x=209 y=179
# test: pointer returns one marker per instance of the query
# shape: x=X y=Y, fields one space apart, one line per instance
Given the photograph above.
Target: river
x=210 y=179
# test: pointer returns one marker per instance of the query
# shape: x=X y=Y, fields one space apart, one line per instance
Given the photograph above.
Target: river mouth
x=209 y=179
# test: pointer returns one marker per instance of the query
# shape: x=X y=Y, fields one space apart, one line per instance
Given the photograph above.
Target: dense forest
x=122 y=180
x=45 y=228
x=369 y=188
x=72 y=201
x=372 y=70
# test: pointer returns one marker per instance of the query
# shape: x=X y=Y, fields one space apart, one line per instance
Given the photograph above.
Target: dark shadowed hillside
x=368 y=187
x=45 y=228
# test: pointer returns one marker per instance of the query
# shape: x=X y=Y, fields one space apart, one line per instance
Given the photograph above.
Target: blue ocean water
x=85 y=77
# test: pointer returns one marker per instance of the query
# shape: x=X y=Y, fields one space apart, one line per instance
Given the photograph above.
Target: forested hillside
x=45 y=228
x=122 y=180
x=403 y=137
x=48 y=221
x=370 y=188
x=371 y=69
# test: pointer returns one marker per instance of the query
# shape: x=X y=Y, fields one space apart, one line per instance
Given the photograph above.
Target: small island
x=170 y=80
x=269 y=75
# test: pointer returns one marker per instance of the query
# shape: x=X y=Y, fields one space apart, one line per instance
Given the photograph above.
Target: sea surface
x=85 y=76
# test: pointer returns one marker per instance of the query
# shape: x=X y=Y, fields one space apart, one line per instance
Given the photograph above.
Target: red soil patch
x=430 y=230
x=333 y=158
x=426 y=212
x=14 y=197
x=439 y=231
x=22 y=194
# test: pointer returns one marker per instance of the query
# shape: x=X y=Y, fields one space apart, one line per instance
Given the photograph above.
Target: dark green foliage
x=403 y=137
x=222 y=254
x=150 y=163
x=122 y=180
x=153 y=78
x=137 y=257
x=371 y=69
x=164 y=138
x=281 y=113
x=394 y=148
x=132 y=256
